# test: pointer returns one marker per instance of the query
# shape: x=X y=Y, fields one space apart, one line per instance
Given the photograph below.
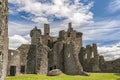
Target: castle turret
x=70 y=29
x=35 y=36
x=46 y=29
x=3 y=38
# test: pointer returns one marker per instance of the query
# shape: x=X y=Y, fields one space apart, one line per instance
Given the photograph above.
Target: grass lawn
x=93 y=76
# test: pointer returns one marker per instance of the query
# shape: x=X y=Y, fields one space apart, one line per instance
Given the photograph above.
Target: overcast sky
x=99 y=20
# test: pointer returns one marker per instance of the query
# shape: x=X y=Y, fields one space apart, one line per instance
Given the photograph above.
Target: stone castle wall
x=64 y=52
x=46 y=53
x=52 y=54
x=110 y=66
x=13 y=61
x=23 y=52
x=3 y=38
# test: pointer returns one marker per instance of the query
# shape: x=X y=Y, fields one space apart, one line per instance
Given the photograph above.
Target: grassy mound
x=93 y=76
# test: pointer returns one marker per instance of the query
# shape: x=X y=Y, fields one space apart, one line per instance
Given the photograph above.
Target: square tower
x=46 y=29
x=3 y=38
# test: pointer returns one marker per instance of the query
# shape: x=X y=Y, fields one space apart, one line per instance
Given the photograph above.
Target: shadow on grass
x=118 y=79
x=118 y=74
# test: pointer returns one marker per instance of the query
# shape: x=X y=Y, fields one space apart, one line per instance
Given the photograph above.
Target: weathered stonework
x=17 y=60
x=71 y=60
x=23 y=52
x=89 y=58
x=58 y=56
x=3 y=38
x=51 y=53
x=31 y=60
x=110 y=66
x=96 y=58
x=42 y=58
x=65 y=53
x=45 y=53
x=13 y=62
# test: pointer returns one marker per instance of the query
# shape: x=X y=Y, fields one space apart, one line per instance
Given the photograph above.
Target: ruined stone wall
x=66 y=51
x=31 y=60
x=82 y=58
x=47 y=40
x=58 y=56
x=71 y=60
x=60 y=53
x=37 y=59
x=62 y=35
x=3 y=38
x=89 y=58
x=42 y=58
x=24 y=51
x=96 y=58
x=51 y=60
x=13 y=61
x=111 y=66
x=39 y=56
x=93 y=62
x=88 y=52
x=79 y=38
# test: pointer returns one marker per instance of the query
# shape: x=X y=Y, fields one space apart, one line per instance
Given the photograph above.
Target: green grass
x=93 y=76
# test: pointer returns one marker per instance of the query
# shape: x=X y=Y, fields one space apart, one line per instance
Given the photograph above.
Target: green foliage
x=93 y=76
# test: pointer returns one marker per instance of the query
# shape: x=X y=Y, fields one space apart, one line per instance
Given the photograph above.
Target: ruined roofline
x=25 y=44
x=91 y=45
x=19 y=47
x=22 y=46
x=112 y=60
x=11 y=50
x=47 y=30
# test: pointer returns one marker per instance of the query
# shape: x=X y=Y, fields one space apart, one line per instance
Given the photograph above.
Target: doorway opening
x=12 y=70
x=50 y=68
x=22 y=70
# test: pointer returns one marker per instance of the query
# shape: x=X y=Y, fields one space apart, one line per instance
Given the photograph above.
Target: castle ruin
x=65 y=52
x=46 y=53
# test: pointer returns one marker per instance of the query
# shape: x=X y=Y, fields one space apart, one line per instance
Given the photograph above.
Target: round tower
x=35 y=36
